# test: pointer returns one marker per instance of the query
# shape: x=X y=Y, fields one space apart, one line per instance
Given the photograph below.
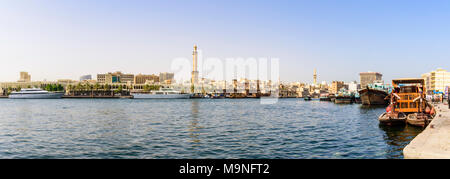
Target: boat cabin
x=405 y=95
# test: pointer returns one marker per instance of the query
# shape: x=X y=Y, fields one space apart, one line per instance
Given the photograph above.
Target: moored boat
x=357 y=99
x=408 y=104
x=324 y=97
x=307 y=98
x=343 y=100
x=332 y=97
x=35 y=93
x=163 y=93
x=422 y=119
x=374 y=94
x=392 y=118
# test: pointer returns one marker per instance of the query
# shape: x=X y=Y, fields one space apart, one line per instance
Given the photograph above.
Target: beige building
x=116 y=77
x=436 y=80
x=24 y=77
x=142 y=79
x=336 y=86
x=369 y=78
x=166 y=77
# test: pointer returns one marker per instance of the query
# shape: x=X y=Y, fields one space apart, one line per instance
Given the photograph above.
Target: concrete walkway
x=434 y=141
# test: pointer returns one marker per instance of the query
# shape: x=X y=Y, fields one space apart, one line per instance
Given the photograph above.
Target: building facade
x=336 y=86
x=142 y=79
x=369 y=78
x=116 y=77
x=166 y=77
x=436 y=81
x=354 y=87
x=24 y=77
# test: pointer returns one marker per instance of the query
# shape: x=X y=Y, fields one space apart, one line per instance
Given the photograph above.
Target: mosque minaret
x=194 y=77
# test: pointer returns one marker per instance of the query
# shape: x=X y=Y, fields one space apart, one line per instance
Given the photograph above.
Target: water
x=195 y=128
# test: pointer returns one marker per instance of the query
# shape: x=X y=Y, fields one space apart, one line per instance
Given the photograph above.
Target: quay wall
x=434 y=141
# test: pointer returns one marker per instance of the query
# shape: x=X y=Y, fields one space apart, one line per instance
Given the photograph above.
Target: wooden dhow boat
x=408 y=104
x=392 y=118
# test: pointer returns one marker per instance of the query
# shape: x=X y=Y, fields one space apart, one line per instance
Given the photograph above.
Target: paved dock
x=434 y=141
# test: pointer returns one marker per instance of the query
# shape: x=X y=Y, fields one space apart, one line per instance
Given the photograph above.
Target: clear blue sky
x=55 y=39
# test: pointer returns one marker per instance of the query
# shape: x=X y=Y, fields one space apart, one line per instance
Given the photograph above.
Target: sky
x=65 y=39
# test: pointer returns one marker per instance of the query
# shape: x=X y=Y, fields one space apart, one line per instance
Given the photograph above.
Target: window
x=403 y=105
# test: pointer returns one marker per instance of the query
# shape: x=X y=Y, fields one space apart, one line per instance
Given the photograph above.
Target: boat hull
x=343 y=100
x=392 y=119
x=324 y=99
x=161 y=96
x=36 y=96
x=418 y=119
x=333 y=99
x=373 y=97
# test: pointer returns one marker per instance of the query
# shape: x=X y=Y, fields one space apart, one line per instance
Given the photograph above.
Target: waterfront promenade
x=434 y=141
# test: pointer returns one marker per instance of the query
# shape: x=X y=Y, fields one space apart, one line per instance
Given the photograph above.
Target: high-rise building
x=166 y=77
x=24 y=77
x=369 y=78
x=142 y=79
x=116 y=77
x=436 y=81
x=194 y=75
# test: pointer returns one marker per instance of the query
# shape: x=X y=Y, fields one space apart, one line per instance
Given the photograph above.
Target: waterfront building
x=166 y=78
x=143 y=79
x=354 y=87
x=65 y=81
x=369 y=78
x=86 y=77
x=336 y=86
x=116 y=77
x=194 y=75
x=24 y=77
x=437 y=80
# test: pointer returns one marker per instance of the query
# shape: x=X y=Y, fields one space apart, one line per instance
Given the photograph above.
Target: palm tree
x=106 y=87
x=96 y=86
x=146 y=88
x=69 y=88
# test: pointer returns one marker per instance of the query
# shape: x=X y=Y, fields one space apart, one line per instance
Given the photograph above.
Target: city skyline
x=67 y=39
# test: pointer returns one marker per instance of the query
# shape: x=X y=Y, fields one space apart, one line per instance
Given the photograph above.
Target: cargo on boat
x=392 y=118
x=344 y=97
x=324 y=97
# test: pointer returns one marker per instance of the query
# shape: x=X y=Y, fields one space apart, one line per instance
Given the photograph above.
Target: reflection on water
x=196 y=128
x=397 y=137
x=193 y=127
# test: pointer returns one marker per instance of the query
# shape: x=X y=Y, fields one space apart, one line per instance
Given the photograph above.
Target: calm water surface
x=195 y=128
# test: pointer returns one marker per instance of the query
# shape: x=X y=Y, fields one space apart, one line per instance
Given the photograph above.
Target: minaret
x=315 y=77
x=194 y=77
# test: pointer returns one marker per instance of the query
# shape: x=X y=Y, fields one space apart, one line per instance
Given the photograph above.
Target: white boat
x=34 y=93
x=163 y=93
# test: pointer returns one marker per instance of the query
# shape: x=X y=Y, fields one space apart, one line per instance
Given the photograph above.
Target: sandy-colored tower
x=315 y=77
x=194 y=75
